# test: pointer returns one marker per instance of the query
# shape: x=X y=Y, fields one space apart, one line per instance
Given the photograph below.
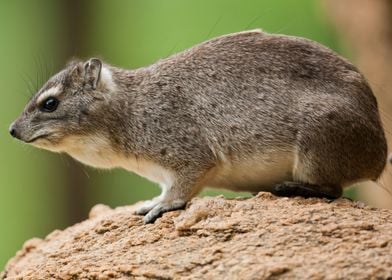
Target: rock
x=263 y=237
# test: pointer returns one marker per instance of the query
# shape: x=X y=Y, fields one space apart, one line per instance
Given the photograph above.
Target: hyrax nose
x=13 y=131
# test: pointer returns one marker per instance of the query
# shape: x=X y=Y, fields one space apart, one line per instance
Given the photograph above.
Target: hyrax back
x=247 y=111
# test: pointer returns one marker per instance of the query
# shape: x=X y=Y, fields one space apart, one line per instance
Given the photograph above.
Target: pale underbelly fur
x=253 y=174
x=259 y=173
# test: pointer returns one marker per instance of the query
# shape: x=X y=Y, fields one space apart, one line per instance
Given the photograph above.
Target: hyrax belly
x=255 y=173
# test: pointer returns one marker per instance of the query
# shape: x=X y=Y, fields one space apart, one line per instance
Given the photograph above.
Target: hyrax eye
x=49 y=105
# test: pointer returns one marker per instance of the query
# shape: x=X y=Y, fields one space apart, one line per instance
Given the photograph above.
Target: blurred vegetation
x=37 y=40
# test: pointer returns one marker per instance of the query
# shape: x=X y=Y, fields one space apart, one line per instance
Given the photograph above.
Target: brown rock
x=263 y=237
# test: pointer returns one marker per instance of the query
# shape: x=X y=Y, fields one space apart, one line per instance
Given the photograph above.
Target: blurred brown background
x=41 y=191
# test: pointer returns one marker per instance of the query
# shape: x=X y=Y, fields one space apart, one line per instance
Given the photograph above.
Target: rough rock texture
x=263 y=237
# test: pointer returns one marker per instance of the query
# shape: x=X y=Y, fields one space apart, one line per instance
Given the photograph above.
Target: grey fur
x=270 y=100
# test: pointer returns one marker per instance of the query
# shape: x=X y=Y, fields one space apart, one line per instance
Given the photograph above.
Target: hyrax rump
x=247 y=111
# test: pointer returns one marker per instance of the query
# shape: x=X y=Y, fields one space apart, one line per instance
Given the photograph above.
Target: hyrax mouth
x=42 y=136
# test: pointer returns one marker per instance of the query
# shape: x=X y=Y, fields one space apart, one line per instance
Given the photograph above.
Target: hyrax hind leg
x=311 y=177
x=334 y=149
x=307 y=190
x=322 y=159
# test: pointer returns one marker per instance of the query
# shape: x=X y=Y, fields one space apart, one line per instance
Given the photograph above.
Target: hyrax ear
x=92 y=72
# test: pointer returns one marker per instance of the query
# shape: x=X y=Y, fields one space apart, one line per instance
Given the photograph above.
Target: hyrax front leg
x=172 y=198
x=149 y=204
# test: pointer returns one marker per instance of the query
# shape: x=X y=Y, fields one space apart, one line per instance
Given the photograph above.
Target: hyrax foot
x=307 y=190
x=162 y=207
x=147 y=206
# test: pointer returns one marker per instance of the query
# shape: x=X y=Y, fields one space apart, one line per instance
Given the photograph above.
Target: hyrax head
x=63 y=107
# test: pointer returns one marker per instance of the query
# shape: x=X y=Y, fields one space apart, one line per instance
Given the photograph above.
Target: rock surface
x=263 y=237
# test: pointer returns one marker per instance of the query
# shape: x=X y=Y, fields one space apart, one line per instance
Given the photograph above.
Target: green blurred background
x=40 y=191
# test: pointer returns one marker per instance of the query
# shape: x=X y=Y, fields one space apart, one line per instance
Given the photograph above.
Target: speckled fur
x=227 y=113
